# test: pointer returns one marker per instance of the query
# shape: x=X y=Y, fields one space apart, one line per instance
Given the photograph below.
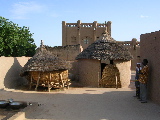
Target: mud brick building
x=102 y=61
x=85 y=34
x=150 y=43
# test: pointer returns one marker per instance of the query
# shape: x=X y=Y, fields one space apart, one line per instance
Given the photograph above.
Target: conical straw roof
x=45 y=61
x=105 y=48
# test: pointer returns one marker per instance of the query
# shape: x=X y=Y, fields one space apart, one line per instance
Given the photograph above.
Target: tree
x=15 y=41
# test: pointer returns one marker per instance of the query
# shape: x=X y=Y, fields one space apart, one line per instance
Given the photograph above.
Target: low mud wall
x=9 y=71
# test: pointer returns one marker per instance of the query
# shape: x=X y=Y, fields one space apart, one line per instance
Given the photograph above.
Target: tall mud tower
x=83 y=33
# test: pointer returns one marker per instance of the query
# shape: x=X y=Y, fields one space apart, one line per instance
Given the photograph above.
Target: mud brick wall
x=88 y=72
x=124 y=68
x=150 y=49
x=78 y=33
x=73 y=72
x=68 y=52
x=11 y=67
x=9 y=71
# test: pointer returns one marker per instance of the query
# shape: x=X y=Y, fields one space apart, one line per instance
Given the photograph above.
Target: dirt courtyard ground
x=85 y=104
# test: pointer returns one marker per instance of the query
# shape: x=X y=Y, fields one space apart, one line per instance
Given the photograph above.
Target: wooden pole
x=49 y=87
x=116 y=82
x=37 y=81
x=98 y=79
x=61 y=79
x=30 y=82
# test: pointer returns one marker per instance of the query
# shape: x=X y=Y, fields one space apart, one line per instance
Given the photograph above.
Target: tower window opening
x=86 y=41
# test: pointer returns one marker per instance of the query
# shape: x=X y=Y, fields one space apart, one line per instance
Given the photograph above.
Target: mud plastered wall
x=88 y=72
x=68 y=52
x=150 y=44
x=9 y=71
x=83 y=33
x=124 y=68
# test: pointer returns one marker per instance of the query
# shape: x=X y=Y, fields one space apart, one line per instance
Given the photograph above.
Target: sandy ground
x=86 y=104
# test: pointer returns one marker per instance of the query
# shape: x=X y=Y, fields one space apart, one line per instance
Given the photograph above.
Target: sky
x=130 y=18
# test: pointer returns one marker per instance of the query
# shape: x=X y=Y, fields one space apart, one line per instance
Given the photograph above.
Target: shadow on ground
x=86 y=104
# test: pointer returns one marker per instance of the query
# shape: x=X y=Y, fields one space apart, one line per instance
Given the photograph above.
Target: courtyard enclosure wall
x=10 y=70
x=124 y=68
x=88 y=72
x=11 y=67
x=151 y=51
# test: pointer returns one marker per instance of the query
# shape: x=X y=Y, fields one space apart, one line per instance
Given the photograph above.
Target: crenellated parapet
x=94 y=24
x=83 y=33
x=132 y=42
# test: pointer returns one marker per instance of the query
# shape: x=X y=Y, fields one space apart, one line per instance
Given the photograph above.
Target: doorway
x=110 y=76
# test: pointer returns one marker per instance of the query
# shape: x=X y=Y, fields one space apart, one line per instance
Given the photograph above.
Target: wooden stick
x=98 y=79
x=37 y=82
x=61 y=79
x=116 y=83
x=30 y=82
x=49 y=82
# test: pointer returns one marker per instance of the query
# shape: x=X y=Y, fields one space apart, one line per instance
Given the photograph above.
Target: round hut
x=104 y=63
x=45 y=69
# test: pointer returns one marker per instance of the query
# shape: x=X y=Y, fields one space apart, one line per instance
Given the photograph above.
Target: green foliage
x=15 y=41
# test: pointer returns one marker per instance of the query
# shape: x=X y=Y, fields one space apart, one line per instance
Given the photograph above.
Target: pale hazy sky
x=130 y=18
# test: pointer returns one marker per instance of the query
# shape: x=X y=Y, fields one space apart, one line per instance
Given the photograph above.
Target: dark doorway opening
x=103 y=65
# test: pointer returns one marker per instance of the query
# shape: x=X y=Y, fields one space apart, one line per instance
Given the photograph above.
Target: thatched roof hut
x=95 y=57
x=105 y=48
x=45 y=61
x=46 y=69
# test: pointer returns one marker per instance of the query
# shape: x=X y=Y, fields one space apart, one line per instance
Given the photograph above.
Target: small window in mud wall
x=86 y=41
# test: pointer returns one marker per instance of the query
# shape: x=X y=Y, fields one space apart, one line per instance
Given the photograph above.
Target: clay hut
x=45 y=69
x=104 y=63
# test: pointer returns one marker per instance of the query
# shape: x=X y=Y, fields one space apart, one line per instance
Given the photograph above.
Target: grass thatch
x=105 y=49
